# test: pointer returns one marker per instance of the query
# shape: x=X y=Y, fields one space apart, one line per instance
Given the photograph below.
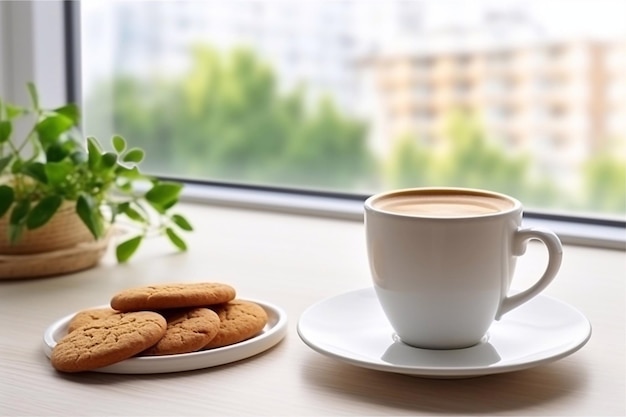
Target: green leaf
x=56 y=153
x=126 y=249
x=43 y=211
x=6 y=198
x=92 y=142
x=94 y=151
x=16 y=221
x=109 y=159
x=119 y=143
x=20 y=211
x=58 y=172
x=35 y=170
x=15 y=232
x=17 y=165
x=72 y=143
x=170 y=204
x=133 y=214
x=182 y=222
x=5 y=130
x=175 y=239
x=133 y=155
x=4 y=162
x=14 y=111
x=71 y=111
x=129 y=173
x=34 y=97
x=87 y=210
x=51 y=127
x=162 y=195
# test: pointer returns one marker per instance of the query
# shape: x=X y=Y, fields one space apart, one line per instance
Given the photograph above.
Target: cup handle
x=555 y=256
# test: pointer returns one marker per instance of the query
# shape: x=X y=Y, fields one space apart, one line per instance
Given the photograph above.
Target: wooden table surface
x=294 y=261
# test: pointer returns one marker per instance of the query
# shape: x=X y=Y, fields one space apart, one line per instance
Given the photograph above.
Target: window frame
x=600 y=232
x=36 y=32
x=32 y=48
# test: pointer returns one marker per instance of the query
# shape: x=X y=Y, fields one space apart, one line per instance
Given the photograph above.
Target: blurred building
x=556 y=100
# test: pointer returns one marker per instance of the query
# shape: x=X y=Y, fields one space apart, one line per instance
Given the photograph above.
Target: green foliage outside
x=469 y=160
x=605 y=184
x=226 y=119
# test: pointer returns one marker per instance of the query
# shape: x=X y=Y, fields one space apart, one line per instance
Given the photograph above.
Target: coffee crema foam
x=442 y=205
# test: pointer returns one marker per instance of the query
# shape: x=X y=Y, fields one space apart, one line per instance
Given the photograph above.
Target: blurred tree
x=605 y=184
x=473 y=161
x=226 y=119
x=466 y=159
x=328 y=148
x=410 y=164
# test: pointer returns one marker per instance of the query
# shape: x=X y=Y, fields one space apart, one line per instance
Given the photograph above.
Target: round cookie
x=187 y=331
x=85 y=317
x=239 y=320
x=177 y=295
x=108 y=341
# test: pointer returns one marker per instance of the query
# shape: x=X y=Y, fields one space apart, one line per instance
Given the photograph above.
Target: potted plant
x=60 y=192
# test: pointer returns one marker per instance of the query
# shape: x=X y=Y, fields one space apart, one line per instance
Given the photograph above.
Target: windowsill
x=583 y=234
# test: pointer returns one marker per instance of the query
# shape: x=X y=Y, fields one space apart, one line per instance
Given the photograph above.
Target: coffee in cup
x=442 y=261
x=439 y=204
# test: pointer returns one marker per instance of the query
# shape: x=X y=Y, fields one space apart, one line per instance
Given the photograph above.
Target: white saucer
x=273 y=333
x=352 y=328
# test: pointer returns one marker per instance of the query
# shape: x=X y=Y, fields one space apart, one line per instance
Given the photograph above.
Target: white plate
x=273 y=333
x=352 y=328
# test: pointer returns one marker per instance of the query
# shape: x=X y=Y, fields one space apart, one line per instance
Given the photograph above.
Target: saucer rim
x=567 y=349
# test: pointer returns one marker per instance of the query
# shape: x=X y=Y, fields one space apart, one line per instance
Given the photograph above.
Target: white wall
x=32 y=49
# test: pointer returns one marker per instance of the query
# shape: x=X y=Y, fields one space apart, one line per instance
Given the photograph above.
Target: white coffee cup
x=442 y=261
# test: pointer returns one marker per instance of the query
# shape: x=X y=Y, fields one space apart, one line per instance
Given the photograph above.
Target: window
x=288 y=93
x=279 y=93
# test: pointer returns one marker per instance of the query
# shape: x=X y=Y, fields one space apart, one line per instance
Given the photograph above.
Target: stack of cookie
x=165 y=319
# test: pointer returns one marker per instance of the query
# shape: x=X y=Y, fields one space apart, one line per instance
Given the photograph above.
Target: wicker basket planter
x=61 y=246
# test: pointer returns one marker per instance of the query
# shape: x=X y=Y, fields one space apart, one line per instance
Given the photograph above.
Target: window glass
x=359 y=96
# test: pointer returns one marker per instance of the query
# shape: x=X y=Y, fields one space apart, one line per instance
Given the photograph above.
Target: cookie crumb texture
x=239 y=320
x=187 y=331
x=108 y=341
x=85 y=317
x=164 y=296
